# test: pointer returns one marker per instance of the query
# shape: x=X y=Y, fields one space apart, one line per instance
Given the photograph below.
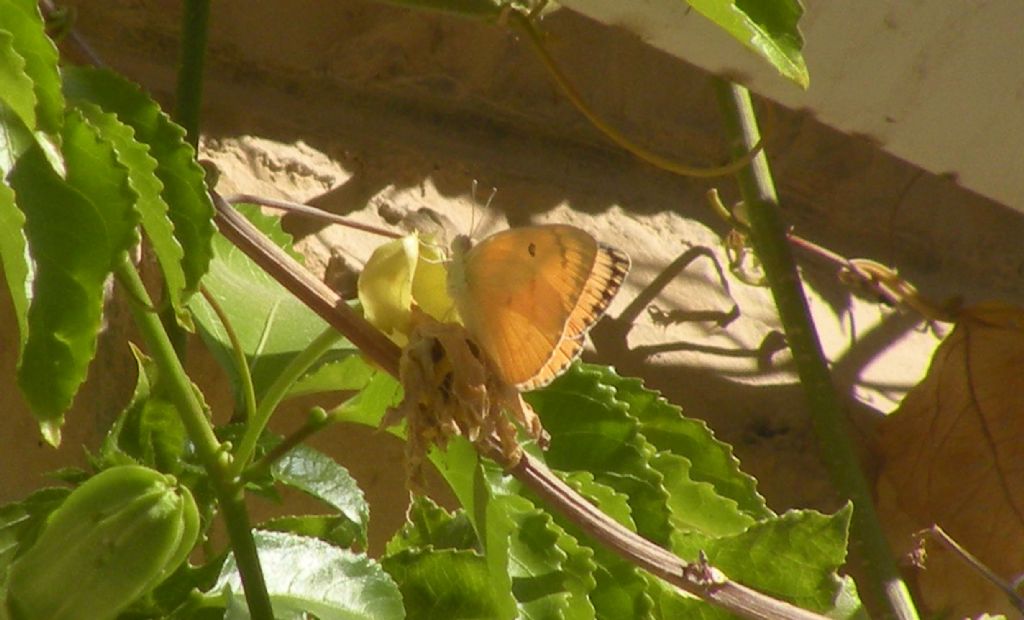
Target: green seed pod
x=114 y=538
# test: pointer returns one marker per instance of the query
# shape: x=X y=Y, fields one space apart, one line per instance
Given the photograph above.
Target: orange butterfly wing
x=529 y=296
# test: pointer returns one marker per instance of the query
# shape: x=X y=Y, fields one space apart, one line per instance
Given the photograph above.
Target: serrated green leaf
x=149 y=431
x=610 y=501
x=16 y=88
x=769 y=29
x=272 y=325
x=153 y=211
x=592 y=431
x=319 y=475
x=13 y=258
x=94 y=170
x=794 y=557
x=184 y=188
x=620 y=589
x=665 y=427
x=528 y=555
x=546 y=581
x=443 y=583
x=309 y=575
x=22 y=19
x=695 y=506
x=15 y=139
x=74 y=242
x=430 y=525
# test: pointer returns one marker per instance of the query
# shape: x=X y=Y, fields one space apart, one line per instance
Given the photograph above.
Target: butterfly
x=528 y=296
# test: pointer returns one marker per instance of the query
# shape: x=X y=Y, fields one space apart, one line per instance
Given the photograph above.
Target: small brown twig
x=947 y=541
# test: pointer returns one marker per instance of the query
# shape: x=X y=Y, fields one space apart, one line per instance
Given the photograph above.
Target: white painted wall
x=939 y=83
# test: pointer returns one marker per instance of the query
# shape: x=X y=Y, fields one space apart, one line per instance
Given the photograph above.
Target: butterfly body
x=529 y=295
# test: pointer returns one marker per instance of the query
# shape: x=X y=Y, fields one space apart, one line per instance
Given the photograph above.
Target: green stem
x=195 y=18
x=229 y=493
x=276 y=393
x=768 y=234
x=241 y=364
x=186 y=113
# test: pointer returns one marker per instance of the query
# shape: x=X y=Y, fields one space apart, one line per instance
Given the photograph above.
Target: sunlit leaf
x=22 y=20
x=13 y=258
x=321 y=477
x=77 y=230
x=309 y=575
x=272 y=325
x=16 y=88
x=592 y=431
x=768 y=28
x=153 y=211
x=184 y=188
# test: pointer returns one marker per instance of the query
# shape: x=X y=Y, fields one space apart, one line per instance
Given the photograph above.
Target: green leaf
x=445 y=583
x=429 y=525
x=528 y=555
x=176 y=592
x=77 y=229
x=592 y=431
x=184 y=188
x=368 y=406
x=309 y=575
x=21 y=19
x=149 y=431
x=15 y=139
x=695 y=506
x=93 y=169
x=794 y=557
x=318 y=475
x=272 y=325
x=332 y=529
x=16 y=88
x=153 y=211
x=351 y=373
x=14 y=259
x=766 y=28
x=610 y=501
x=620 y=589
x=665 y=427
x=21 y=522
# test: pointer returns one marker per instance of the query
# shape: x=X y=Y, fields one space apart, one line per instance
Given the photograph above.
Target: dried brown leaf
x=953 y=455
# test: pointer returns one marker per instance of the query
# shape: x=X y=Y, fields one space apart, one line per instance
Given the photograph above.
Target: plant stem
x=189 y=96
x=241 y=363
x=276 y=392
x=229 y=494
x=768 y=235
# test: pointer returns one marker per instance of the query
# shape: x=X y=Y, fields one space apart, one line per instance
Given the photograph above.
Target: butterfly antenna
x=472 y=214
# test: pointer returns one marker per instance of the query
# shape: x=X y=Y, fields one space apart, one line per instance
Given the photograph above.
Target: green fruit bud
x=113 y=539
